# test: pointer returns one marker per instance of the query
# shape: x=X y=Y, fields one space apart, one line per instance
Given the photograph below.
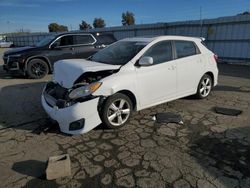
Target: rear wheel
x=116 y=111
x=204 y=87
x=37 y=68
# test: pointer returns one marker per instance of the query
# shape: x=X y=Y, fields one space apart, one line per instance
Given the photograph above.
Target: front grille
x=5 y=59
x=57 y=91
x=56 y=96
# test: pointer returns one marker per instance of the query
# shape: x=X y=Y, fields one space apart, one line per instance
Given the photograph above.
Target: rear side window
x=83 y=39
x=106 y=39
x=185 y=48
x=160 y=52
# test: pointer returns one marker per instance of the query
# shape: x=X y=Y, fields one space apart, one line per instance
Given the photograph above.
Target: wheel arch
x=131 y=96
x=211 y=75
x=45 y=59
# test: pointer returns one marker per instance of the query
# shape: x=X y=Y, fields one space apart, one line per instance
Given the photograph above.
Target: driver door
x=62 y=48
x=157 y=83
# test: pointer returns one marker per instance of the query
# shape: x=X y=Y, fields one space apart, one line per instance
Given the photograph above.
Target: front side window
x=160 y=52
x=185 y=48
x=64 y=41
x=118 y=53
x=45 y=41
x=83 y=39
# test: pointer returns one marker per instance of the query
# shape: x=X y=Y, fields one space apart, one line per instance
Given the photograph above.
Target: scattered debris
x=227 y=111
x=58 y=166
x=45 y=126
x=168 y=117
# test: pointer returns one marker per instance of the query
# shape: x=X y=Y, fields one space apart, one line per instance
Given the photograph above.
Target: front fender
x=118 y=82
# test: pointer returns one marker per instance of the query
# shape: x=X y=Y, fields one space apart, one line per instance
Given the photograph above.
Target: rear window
x=185 y=48
x=106 y=39
x=83 y=39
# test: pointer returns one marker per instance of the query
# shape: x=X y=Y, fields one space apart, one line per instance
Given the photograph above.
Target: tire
x=37 y=69
x=116 y=111
x=204 y=87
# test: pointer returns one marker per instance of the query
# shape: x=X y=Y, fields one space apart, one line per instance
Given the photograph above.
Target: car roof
x=82 y=33
x=162 y=37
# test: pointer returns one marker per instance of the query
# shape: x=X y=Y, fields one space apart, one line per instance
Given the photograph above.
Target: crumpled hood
x=66 y=72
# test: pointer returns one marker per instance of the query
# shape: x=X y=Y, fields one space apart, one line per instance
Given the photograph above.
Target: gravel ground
x=209 y=150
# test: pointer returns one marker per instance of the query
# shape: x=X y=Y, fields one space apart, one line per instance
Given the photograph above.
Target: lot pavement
x=209 y=150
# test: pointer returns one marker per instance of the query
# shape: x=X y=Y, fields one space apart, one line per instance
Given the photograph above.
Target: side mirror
x=146 y=61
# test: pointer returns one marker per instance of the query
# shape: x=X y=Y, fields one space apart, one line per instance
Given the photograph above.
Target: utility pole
x=201 y=21
x=8 y=24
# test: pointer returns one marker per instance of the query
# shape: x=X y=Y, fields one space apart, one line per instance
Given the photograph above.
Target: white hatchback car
x=129 y=75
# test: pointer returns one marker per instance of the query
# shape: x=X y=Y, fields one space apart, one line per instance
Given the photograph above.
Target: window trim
x=197 y=50
x=172 y=51
x=75 y=45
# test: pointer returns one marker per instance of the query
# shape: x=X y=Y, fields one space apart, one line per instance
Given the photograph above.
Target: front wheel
x=37 y=68
x=204 y=87
x=116 y=111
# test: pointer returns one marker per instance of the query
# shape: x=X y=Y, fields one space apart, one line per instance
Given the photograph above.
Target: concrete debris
x=58 y=166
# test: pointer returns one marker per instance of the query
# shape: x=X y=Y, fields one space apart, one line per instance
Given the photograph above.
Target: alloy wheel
x=38 y=69
x=118 y=112
x=206 y=86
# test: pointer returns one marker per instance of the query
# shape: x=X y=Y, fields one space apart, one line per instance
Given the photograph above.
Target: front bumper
x=12 y=65
x=86 y=112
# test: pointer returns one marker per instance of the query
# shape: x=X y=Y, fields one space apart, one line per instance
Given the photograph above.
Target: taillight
x=216 y=58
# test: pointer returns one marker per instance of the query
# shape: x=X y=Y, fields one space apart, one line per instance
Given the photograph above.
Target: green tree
x=84 y=26
x=128 y=18
x=55 y=27
x=244 y=13
x=99 y=23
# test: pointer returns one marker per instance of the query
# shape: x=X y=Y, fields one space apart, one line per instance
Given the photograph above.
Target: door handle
x=172 y=67
x=72 y=48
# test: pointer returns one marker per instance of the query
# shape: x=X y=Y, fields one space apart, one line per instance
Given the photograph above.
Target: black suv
x=36 y=62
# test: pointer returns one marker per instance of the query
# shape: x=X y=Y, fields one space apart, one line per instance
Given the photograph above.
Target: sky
x=35 y=15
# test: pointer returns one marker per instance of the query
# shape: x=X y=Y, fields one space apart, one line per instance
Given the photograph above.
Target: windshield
x=45 y=41
x=118 y=53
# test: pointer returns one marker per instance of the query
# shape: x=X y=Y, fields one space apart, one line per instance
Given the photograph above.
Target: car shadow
x=231 y=88
x=21 y=106
x=224 y=155
x=241 y=71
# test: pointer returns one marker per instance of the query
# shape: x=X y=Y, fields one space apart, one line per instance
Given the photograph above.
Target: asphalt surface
x=208 y=150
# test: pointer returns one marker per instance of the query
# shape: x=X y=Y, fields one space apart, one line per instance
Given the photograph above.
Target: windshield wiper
x=90 y=58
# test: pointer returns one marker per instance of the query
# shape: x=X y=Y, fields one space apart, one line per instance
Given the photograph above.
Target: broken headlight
x=84 y=91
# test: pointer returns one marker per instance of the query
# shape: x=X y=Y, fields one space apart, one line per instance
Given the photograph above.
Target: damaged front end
x=75 y=108
x=84 y=86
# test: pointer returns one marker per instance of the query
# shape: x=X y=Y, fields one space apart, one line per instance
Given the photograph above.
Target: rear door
x=190 y=67
x=84 y=45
